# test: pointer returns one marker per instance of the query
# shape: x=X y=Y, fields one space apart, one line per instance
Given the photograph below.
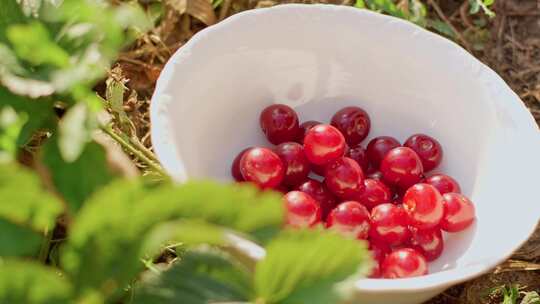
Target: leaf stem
x=134 y=150
x=44 y=250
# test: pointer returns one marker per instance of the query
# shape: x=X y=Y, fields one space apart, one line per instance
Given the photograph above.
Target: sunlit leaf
x=304 y=267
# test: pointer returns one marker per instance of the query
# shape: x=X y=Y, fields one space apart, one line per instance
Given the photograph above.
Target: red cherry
x=353 y=123
x=459 y=212
x=359 y=154
x=428 y=149
x=281 y=188
x=379 y=251
x=378 y=147
x=429 y=242
x=262 y=166
x=323 y=144
x=424 y=205
x=443 y=183
x=301 y=209
x=235 y=167
x=402 y=167
x=344 y=178
x=279 y=123
x=404 y=263
x=295 y=161
x=375 y=175
x=304 y=127
x=319 y=170
x=351 y=219
x=320 y=193
x=389 y=224
x=375 y=193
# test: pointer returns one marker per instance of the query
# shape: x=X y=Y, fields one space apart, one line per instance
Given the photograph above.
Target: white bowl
x=319 y=58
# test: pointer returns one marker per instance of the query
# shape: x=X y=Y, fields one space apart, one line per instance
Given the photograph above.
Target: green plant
x=513 y=295
x=74 y=230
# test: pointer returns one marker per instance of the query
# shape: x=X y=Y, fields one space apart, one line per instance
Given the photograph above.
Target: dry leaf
x=200 y=9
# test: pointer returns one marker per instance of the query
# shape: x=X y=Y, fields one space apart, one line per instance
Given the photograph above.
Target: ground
x=509 y=43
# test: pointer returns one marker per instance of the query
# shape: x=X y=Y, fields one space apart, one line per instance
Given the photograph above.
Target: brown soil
x=508 y=43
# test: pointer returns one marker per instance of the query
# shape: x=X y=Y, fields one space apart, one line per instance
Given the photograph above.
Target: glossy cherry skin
x=424 y=206
x=350 y=219
x=344 y=178
x=235 y=167
x=428 y=149
x=378 y=147
x=353 y=123
x=389 y=225
x=375 y=193
x=323 y=144
x=358 y=153
x=459 y=212
x=443 y=183
x=404 y=263
x=379 y=251
x=402 y=167
x=320 y=193
x=304 y=127
x=301 y=210
x=279 y=123
x=263 y=167
x=296 y=164
x=429 y=242
x=375 y=175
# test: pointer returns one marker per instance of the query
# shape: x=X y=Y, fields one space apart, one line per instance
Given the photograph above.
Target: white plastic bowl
x=319 y=58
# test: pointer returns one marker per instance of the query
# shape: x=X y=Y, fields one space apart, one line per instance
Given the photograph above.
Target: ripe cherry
x=279 y=123
x=263 y=167
x=358 y=153
x=353 y=123
x=379 y=251
x=402 y=167
x=443 y=183
x=296 y=164
x=235 y=167
x=429 y=242
x=320 y=193
x=428 y=149
x=319 y=170
x=389 y=224
x=404 y=263
x=344 y=178
x=424 y=205
x=351 y=219
x=304 y=127
x=301 y=209
x=375 y=175
x=323 y=144
x=459 y=212
x=375 y=193
x=378 y=147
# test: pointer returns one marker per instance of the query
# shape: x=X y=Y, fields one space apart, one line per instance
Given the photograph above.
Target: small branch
x=441 y=14
x=126 y=145
x=44 y=250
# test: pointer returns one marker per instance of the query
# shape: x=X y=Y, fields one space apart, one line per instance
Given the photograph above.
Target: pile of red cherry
x=378 y=193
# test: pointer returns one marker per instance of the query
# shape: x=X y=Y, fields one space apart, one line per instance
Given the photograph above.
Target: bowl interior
x=319 y=59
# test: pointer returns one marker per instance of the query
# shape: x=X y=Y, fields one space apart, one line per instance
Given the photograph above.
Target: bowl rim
x=165 y=148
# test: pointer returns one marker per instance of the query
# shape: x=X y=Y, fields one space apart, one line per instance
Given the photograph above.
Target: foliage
x=512 y=295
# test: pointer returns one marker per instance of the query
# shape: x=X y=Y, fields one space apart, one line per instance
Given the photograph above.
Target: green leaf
x=74 y=132
x=531 y=297
x=11 y=125
x=510 y=295
x=360 y=4
x=386 y=6
x=31 y=283
x=32 y=7
x=33 y=43
x=305 y=266
x=9 y=14
x=202 y=276
x=96 y=253
x=40 y=113
x=24 y=201
x=441 y=27
x=76 y=181
x=16 y=240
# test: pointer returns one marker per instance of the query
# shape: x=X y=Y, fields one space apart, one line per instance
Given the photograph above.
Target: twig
x=225 y=6
x=126 y=145
x=44 y=250
x=441 y=14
